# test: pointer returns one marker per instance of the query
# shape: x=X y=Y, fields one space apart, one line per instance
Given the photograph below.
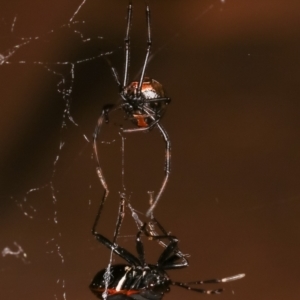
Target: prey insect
x=144 y=102
x=140 y=280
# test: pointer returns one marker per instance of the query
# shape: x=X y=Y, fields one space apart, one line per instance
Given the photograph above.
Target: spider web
x=28 y=55
x=231 y=70
x=62 y=61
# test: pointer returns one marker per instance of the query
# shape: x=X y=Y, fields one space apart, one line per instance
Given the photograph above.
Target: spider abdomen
x=146 y=105
x=150 y=89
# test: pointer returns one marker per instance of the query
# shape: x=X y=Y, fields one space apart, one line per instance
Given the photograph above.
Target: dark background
x=233 y=199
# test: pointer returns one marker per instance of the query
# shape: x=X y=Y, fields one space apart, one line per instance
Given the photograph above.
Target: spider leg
x=149 y=43
x=154 y=115
x=166 y=138
x=165 y=99
x=167 y=167
x=98 y=168
x=114 y=72
x=103 y=118
x=150 y=113
x=127 y=45
x=121 y=215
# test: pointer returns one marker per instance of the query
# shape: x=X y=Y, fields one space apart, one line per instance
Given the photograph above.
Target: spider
x=144 y=102
x=142 y=281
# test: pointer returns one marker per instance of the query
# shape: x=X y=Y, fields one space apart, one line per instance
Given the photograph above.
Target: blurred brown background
x=233 y=199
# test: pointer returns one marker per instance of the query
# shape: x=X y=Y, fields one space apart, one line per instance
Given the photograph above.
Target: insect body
x=132 y=283
x=141 y=281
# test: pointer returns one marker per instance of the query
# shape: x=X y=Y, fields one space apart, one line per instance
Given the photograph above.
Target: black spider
x=138 y=279
x=144 y=103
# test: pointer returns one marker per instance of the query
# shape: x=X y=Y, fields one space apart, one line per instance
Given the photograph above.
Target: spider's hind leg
x=167 y=168
x=104 y=117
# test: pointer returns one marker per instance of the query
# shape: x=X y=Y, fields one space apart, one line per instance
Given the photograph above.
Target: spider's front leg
x=103 y=118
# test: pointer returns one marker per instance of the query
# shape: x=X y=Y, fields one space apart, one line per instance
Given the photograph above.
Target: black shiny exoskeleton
x=132 y=283
x=141 y=281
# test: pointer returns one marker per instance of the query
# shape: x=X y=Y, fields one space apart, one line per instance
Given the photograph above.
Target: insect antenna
x=188 y=286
